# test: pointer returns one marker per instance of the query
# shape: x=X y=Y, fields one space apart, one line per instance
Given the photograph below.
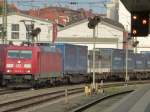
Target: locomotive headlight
x=8 y=71
x=9 y=65
x=27 y=65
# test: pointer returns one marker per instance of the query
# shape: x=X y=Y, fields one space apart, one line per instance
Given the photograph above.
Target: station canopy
x=137 y=5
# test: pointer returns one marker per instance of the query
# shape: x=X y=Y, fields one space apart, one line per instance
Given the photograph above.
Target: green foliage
x=1 y=10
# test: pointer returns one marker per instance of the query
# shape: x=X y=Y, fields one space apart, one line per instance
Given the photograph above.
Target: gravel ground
x=102 y=106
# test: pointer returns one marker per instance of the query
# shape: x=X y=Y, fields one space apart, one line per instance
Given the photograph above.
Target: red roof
x=63 y=16
x=50 y=14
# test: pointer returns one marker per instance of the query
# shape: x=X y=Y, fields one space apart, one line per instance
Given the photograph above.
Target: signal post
x=93 y=22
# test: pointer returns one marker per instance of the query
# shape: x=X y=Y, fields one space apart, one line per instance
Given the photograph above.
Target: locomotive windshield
x=23 y=54
x=13 y=53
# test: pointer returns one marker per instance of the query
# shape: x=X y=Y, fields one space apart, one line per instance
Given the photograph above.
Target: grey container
x=117 y=60
x=107 y=60
x=97 y=61
x=147 y=61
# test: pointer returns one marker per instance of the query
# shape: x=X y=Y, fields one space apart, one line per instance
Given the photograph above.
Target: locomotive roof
x=41 y=48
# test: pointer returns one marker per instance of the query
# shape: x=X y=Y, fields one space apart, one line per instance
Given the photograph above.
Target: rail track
x=43 y=98
x=34 y=100
x=9 y=91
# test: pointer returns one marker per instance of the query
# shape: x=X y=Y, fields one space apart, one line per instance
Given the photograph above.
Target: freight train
x=39 y=65
x=36 y=65
x=110 y=64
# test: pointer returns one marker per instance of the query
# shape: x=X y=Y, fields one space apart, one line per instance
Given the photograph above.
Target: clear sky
x=96 y=5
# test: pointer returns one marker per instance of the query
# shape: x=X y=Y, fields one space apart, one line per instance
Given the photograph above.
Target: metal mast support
x=135 y=40
x=126 y=76
x=4 y=22
x=28 y=30
x=94 y=32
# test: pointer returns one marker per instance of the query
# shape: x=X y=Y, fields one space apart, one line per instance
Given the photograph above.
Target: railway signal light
x=135 y=43
x=93 y=22
x=139 y=24
x=35 y=32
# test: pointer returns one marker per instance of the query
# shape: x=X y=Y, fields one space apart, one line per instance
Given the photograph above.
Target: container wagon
x=30 y=66
x=140 y=66
x=109 y=63
x=74 y=62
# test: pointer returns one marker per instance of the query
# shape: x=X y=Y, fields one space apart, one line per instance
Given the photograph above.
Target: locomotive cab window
x=13 y=54
x=23 y=54
x=26 y=54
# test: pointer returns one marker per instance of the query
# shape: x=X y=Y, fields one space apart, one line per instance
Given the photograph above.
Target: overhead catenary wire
x=70 y=4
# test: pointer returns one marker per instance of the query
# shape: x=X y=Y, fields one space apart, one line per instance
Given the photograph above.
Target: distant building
x=117 y=12
x=112 y=10
x=16 y=30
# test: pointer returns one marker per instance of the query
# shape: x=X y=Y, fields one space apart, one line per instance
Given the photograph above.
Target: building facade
x=109 y=34
x=19 y=26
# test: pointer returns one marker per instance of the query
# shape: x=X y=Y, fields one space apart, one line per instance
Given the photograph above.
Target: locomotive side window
x=27 y=54
x=13 y=54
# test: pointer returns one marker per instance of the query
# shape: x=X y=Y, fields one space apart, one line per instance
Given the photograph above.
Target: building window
x=15 y=27
x=15 y=35
x=15 y=31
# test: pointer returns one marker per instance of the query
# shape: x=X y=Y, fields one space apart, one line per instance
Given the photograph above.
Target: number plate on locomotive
x=18 y=65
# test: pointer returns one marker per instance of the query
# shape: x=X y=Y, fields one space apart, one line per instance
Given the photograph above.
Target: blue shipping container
x=74 y=58
x=117 y=60
x=140 y=62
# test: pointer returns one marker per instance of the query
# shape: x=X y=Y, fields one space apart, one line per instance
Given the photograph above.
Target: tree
x=1 y=10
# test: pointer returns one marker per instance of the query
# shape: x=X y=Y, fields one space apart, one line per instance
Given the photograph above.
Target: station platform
x=137 y=101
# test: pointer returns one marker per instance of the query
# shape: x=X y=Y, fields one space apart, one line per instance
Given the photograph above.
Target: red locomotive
x=29 y=65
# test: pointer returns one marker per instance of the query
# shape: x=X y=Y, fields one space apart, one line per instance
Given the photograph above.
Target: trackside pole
x=66 y=96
